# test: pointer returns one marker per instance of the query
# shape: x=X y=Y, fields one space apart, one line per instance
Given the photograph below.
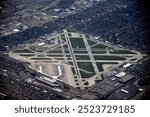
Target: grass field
x=63 y=37
x=57 y=50
x=23 y=51
x=54 y=51
x=82 y=57
x=55 y=55
x=99 y=46
x=99 y=65
x=99 y=52
x=77 y=43
x=73 y=70
x=38 y=48
x=59 y=58
x=80 y=52
x=40 y=58
x=26 y=55
x=108 y=57
x=87 y=66
x=86 y=75
x=121 y=52
x=65 y=46
x=91 y=42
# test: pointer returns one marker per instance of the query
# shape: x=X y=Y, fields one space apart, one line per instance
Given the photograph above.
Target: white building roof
x=120 y=75
x=126 y=65
x=40 y=44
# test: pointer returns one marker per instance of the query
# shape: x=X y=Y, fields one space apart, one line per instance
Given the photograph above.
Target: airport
x=74 y=58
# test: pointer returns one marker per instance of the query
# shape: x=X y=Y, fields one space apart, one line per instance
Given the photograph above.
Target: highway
x=2 y=94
